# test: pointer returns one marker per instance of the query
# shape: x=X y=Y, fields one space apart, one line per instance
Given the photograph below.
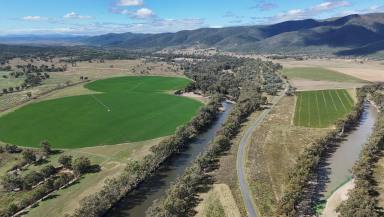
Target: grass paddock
x=127 y=109
x=321 y=108
x=319 y=74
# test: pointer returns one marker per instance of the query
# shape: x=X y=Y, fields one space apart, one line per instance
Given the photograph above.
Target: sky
x=93 y=17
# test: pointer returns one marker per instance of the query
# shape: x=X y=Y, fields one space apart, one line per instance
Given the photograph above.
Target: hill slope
x=349 y=35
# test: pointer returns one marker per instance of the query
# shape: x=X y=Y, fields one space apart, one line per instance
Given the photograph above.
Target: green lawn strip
x=347 y=97
x=297 y=118
x=83 y=121
x=325 y=108
x=332 y=101
x=339 y=111
x=318 y=74
x=308 y=111
x=298 y=113
x=318 y=109
x=341 y=101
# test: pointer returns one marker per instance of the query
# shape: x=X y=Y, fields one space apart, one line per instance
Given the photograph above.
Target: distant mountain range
x=349 y=35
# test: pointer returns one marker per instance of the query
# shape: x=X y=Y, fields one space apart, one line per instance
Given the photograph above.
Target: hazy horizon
x=88 y=17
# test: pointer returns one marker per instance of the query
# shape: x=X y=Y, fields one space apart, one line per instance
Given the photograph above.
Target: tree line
x=40 y=183
x=362 y=200
x=215 y=77
x=181 y=198
x=137 y=171
x=298 y=197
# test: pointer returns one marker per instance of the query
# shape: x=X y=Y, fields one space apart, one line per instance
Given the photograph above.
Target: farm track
x=240 y=161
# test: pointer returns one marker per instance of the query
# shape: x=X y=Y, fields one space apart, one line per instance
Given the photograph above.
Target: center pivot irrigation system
x=101 y=103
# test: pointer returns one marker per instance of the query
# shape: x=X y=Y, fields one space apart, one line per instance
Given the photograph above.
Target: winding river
x=137 y=202
x=339 y=165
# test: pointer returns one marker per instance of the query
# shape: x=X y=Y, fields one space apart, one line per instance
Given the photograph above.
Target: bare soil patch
x=368 y=70
x=196 y=96
x=303 y=84
x=336 y=198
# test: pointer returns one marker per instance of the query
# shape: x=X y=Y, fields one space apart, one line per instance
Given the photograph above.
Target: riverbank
x=138 y=201
x=340 y=195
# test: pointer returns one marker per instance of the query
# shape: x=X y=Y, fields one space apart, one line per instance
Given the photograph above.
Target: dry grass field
x=218 y=202
x=226 y=177
x=112 y=158
x=94 y=71
x=368 y=70
x=379 y=177
x=272 y=153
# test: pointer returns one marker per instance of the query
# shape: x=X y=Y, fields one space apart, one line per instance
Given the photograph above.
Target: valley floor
x=112 y=158
x=272 y=153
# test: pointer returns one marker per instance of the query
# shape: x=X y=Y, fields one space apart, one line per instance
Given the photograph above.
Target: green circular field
x=128 y=109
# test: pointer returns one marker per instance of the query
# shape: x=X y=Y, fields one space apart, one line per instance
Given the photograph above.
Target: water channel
x=340 y=163
x=137 y=202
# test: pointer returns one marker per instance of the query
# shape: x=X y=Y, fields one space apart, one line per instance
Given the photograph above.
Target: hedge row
x=362 y=199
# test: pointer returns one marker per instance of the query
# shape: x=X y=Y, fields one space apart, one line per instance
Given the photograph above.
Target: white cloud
x=33 y=18
x=130 y=2
x=155 y=25
x=73 y=15
x=372 y=9
x=144 y=13
x=141 y=13
x=312 y=12
x=330 y=5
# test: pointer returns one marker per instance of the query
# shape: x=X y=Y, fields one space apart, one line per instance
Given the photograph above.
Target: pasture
x=318 y=74
x=322 y=108
x=125 y=109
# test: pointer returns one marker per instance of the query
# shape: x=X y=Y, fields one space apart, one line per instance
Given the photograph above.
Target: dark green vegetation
x=321 y=108
x=362 y=199
x=249 y=99
x=69 y=54
x=211 y=75
x=135 y=172
x=298 y=198
x=181 y=198
x=121 y=113
x=318 y=74
x=23 y=186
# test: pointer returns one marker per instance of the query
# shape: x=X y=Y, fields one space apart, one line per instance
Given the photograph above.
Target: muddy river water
x=137 y=202
x=340 y=163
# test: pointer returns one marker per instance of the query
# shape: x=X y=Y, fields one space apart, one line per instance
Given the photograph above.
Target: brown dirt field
x=112 y=159
x=272 y=153
x=93 y=71
x=303 y=84
x=366 y=70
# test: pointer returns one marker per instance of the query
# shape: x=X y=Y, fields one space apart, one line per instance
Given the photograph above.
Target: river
x=340 y=163
x=137 y=202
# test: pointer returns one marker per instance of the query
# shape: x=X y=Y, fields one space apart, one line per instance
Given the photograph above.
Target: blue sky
x=91 y=17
